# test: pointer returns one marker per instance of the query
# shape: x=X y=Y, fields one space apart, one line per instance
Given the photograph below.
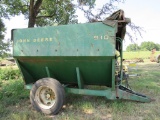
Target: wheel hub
x=45 y=97
x=48 y=96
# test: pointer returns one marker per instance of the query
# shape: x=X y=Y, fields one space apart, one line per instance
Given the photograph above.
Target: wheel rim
x=45 y=97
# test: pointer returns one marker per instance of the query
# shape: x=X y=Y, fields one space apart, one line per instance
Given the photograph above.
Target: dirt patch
x=7 y=63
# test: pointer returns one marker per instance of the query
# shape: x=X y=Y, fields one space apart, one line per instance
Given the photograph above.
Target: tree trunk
x=33 y=12
x=31 y=22
x=32 y=16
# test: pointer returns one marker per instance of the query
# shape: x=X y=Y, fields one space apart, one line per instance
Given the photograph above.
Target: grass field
x=15 y=104
x=139 y=54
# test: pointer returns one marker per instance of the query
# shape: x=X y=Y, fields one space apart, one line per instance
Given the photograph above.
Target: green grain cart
x=63 y=59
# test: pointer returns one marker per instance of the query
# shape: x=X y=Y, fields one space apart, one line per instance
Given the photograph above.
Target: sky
x=143 y=13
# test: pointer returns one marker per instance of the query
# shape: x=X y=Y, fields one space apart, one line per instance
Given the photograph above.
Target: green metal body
x=61 y=49
x=81 y=54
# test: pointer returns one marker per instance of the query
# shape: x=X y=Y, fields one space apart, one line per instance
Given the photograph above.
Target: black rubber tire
x=58 y=90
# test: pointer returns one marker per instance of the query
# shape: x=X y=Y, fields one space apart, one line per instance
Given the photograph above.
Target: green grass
x=138 y=54
x=15 y=104
x=9 y=73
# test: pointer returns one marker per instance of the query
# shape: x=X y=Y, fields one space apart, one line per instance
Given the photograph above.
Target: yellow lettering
x=34 y=40
x=96 y=37
x=42 y=39
x=46 y=39
x=20 y=40
x=101 y=37
x=24 y=40
x=105 y=37
x=28 y=40
x=38 y=40
x=50 y=39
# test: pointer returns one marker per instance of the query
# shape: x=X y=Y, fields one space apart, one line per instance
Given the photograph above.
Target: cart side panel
x=94 y=71
x=61 y=49
x=94 y=39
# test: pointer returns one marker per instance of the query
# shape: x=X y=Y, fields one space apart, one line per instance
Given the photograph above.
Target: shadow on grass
x=96 y=108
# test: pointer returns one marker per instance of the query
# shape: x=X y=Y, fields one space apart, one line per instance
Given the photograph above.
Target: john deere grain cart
x=63 y=59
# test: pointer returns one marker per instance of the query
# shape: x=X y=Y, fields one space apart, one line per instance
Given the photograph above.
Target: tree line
x=145 y=46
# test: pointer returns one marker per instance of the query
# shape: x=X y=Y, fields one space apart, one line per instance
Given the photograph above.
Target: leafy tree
x=86 y=2
x=108 y=8
x=4 y=47
x=132 y=47
x=49 y=12
x=148 y=46
x=41 y=12
x=89 y=8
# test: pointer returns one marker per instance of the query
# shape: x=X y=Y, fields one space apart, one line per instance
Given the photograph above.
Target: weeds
x=12 y=92
x=15 y=105
x=9 y=74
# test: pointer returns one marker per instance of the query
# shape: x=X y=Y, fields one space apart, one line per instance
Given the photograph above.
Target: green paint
x=69 y=53
x=93 y=70
x=90 y=39
x=28 y=86
x=109 y=94
x=79 y=79
x=106 y=93
x=48 y=73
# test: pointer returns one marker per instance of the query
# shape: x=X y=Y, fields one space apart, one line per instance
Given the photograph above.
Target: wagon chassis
x=117 y=91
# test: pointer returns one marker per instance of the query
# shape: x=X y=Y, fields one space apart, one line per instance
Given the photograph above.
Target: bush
x=9 y=74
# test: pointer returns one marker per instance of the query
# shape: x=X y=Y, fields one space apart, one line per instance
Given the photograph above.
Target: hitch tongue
x=125 y=93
